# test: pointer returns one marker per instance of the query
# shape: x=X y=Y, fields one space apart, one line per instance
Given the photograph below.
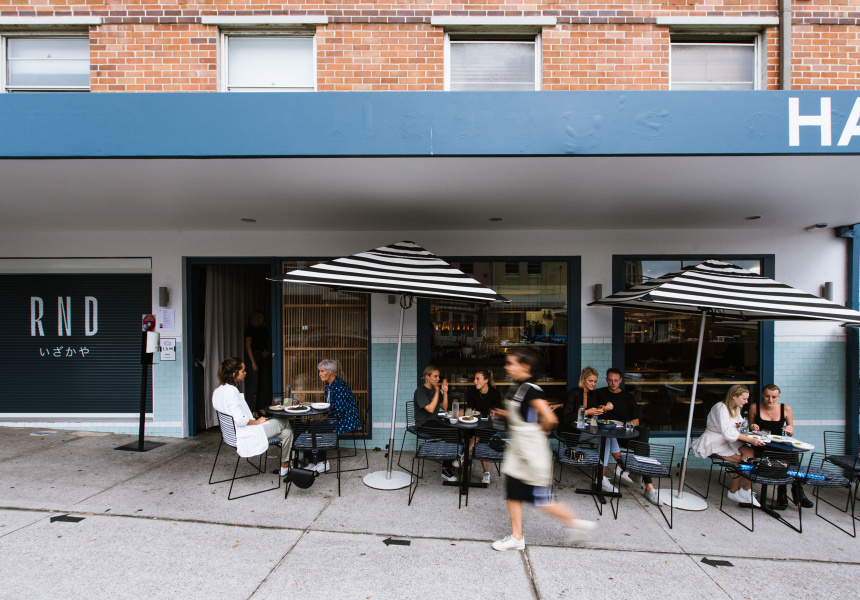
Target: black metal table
x=464 y=428
x=782 y=448
x=620 y=433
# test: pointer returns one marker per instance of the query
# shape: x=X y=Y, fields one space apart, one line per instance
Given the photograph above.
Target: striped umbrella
x=403 y=268
x=726 y=292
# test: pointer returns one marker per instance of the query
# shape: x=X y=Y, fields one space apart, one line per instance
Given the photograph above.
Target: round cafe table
x=620 y=433
x=465 y=429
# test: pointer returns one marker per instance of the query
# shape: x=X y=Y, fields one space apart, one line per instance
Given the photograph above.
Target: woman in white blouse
x=252 y=435
x=723 y=438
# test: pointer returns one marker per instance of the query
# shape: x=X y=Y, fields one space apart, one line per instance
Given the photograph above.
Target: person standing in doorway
x=258 y=358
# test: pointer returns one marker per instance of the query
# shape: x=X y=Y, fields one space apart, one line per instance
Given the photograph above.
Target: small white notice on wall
x=166 y=319
x=168 y=349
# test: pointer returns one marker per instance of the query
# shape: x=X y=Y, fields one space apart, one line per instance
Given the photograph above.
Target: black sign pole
x=145 y=361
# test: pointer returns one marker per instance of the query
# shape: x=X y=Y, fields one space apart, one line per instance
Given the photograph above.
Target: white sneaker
x=624 y=475
x=321 y=467
x=752 y=499
x=607 y=485
x=651 y=496
x=580 y=531
x=749 y=497
x=486 y=477
x=738 y=497
x=449 y=476
x=456 y=462
x=510 y=543
x=284 y=471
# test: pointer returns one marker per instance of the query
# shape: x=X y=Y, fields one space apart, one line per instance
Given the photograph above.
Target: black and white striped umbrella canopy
x=728 y=292
x=400 y=268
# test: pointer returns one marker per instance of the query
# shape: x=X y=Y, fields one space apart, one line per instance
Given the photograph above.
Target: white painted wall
x=803 y=259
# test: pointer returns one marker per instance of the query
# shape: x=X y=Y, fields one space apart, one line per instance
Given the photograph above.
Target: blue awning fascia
x=426 y=124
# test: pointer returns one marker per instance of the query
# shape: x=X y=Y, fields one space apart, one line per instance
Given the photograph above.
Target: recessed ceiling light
x=495 y=218
x=247 y=220
x=752 y=217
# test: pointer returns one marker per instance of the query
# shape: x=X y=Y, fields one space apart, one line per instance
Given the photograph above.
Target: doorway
x=222 y=296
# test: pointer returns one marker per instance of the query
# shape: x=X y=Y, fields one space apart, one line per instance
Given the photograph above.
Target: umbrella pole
x=386 y=480
x=394 y=400
x=680 y=501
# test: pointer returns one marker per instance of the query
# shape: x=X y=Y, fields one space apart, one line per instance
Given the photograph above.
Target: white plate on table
x=617 y=423
x=297 y=410
x=320 y=405
x=274 y=407
x=801 y=445
x=468 y=420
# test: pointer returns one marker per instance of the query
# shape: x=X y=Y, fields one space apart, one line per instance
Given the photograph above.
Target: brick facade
x=393 y=46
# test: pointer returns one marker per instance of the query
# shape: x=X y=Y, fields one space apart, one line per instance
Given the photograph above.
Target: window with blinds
x=727 y=64
x=485 y=64
x=320 y=323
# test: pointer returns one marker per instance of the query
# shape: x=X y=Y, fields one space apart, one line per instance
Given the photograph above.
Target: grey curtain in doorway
x=232 y=293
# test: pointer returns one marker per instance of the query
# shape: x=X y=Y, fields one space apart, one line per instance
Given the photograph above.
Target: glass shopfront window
x=660 y=355
x=465 y=338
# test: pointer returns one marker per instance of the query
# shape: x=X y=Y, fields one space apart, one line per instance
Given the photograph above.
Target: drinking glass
x=469 y=412
x=628 y=426
x=277 y=400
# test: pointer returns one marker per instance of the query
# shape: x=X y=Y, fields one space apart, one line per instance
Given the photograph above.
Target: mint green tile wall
x=384 y=357
x=598 y=356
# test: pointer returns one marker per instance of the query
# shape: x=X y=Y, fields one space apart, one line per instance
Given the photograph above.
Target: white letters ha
x=822 y=120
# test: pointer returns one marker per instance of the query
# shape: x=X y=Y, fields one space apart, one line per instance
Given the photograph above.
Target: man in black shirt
x=624 y=409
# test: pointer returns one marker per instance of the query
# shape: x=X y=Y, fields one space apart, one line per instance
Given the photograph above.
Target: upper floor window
x=45 y=63
x=715 y=63
x=268 y=63
x=492 y=63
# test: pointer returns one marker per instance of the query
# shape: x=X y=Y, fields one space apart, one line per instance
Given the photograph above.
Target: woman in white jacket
x=723 y=438
x=252 y=435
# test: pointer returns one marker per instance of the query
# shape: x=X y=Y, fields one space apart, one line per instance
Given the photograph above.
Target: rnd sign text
x=64 y=316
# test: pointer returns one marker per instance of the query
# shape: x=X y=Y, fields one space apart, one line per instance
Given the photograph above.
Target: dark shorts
x=537 y=495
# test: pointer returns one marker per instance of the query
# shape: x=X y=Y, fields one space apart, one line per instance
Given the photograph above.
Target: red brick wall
x=153 y=58
x=392 y=46
x=825 y=57
x=379 y=57
x=596 y=57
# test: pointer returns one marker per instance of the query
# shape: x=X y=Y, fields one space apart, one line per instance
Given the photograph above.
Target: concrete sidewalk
x=153 y=527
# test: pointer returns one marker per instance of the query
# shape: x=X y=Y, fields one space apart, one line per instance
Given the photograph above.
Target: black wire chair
x=720 y=463
x=837 y=452
x=580 y=455
x=312 y=436
x=436 y=444
x=411 y=428
x=489 y=447
x=645 y=458
x=353 y=436
x=228 y=437
x=772 y=469
x=828 y=475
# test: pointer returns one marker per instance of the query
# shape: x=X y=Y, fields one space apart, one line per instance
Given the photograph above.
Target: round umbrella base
x=688 y=502
x=378 y=480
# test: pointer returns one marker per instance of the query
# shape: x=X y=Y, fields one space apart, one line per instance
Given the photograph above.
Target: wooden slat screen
x=321 y=323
